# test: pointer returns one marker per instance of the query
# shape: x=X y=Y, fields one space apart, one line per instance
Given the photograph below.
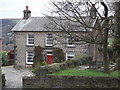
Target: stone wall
x=70 y=82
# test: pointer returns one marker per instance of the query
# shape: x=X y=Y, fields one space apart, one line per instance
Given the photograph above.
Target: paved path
x=14 y=76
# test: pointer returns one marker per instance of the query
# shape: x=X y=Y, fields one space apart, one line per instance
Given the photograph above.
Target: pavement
x=14 y=76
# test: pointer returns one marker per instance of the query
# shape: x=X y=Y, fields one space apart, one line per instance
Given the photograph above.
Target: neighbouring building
x=30 y=32
x=10 y=55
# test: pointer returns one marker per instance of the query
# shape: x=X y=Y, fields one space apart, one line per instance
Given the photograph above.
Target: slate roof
x=31 y=24
x=38 y=24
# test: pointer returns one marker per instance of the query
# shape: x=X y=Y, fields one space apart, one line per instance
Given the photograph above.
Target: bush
x=43 y=63
x=80 y=61
x=54 y=67
x=58 y=55
x=36 y=68
x=3 y=54
x=117 y=66
x=85 y=60
x=76 y=62
x=38 y=58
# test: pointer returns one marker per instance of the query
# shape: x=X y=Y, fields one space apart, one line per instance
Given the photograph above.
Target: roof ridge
x=37 y=17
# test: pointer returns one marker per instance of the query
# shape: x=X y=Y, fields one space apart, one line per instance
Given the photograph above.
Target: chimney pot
x=26 y=7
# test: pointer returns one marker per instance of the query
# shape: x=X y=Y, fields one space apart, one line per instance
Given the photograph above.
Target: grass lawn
x=77 y=72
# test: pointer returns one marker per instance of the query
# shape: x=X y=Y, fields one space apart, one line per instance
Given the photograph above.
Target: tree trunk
x=105 y=39
x=105 y=44
x=117 y=28
x=94 y=52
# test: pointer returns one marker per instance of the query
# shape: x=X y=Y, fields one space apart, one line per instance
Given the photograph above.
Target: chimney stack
x=27 y=13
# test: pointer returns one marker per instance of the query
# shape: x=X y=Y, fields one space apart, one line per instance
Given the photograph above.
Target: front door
x=49 y=58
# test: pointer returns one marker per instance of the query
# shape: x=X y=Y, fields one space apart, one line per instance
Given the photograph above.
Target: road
x=14 y=76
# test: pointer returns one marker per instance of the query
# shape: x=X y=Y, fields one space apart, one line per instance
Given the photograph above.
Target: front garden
x=80 y=72
x=71 y=67
x=70 y=75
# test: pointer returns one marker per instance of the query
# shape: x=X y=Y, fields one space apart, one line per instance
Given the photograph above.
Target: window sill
x=49 y=45
x=30 y=45
x=72 y=46
x=29 y=63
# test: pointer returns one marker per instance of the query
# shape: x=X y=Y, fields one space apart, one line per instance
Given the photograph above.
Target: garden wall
x=70 y=82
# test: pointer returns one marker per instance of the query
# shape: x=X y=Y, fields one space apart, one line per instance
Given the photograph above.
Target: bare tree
x=117 y=29
x=70 y=16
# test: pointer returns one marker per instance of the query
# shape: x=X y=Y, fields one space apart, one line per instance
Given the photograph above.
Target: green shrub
x=85 y=60
x=82 y=60
x=58 y=55
x=54 y=67
x=36 y=68
x=3 y=54
x=38 y=58
x=69 y=63
x=43 y=63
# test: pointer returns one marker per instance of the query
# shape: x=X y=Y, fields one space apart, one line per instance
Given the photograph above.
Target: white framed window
x=49 y=53
x=29 y=57
x=70 y=56
x=49 y=40
x=30 y=39
x=70 y=42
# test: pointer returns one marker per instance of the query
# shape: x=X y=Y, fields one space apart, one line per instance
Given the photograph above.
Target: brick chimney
x=27 y=13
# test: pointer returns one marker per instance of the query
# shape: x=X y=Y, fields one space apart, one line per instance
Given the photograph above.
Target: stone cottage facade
x=30 y=32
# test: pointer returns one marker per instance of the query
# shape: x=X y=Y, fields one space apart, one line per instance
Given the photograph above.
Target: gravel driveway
x=14 y=76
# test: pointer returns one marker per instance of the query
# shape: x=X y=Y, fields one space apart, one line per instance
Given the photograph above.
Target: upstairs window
x=29 y=57
x=49 y=40
x=70 y=42
x=30 y=39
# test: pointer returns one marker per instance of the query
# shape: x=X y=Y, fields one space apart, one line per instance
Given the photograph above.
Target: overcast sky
x=14 y=8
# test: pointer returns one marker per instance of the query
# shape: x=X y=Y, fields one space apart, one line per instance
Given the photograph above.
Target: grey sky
x=14 y=8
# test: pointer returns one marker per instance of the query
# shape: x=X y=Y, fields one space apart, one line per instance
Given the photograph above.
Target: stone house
x=30 y=32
